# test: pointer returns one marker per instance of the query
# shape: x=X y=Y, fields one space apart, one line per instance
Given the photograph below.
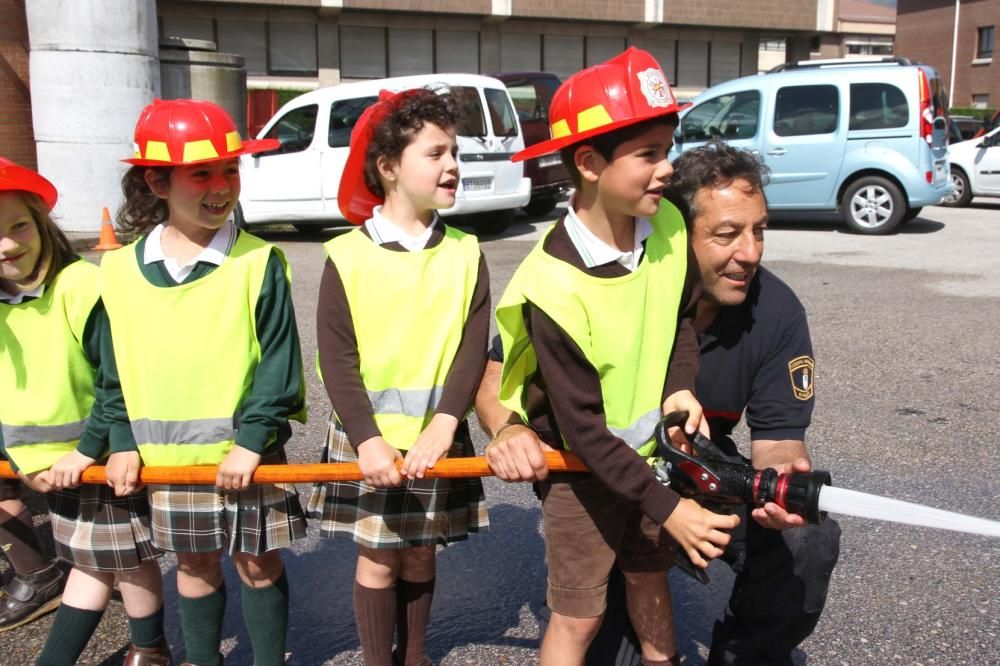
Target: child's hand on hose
x=122 y=472
x=67 y=470
x=432 y=445
x=377 y=460
x=699 y=532
x=237 y=468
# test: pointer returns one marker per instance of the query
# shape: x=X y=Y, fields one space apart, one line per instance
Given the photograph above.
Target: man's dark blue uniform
x=756 y=358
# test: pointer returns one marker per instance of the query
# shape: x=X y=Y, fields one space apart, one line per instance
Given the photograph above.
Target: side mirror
x=679 y=135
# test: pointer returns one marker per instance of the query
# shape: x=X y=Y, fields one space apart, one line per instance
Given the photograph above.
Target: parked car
x=865 y=137
x=298 y=182
x=963 y=128
x=975 y=169
x=531 y=93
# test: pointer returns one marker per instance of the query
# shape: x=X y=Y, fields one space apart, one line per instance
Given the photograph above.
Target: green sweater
x=277 y=391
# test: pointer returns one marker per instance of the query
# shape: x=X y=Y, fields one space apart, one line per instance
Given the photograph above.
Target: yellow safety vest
x=409 y=311
x=186 y=354
x=625 y=326
x=46 y=381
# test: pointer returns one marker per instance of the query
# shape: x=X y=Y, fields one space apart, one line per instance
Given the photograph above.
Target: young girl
x=207 y=359
x=402 y=329
x=52 y=343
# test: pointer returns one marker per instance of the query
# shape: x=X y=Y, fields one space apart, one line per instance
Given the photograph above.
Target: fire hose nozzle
x=718 y=478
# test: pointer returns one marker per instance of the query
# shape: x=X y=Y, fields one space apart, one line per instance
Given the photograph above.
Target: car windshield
x=501 y=113
x=344 y=115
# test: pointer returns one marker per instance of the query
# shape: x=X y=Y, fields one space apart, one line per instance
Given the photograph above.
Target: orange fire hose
x=454 y=468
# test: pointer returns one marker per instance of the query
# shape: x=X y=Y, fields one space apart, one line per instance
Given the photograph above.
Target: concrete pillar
x=797 y=48
x=93 y=68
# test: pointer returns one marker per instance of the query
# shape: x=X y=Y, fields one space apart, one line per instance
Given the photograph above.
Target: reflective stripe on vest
x=186 y=354
x=624 y=326
x=409 y=311
x=46 y=380
x=197 y=431
x=26 y=435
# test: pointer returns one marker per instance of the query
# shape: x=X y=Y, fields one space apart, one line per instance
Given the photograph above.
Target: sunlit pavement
x=905 y=329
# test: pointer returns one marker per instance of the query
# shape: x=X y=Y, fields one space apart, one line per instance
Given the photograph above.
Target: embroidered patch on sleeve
x=801 y=372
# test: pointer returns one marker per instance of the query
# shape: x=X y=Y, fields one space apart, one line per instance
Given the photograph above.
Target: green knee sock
x=201 y=623
x=146 y=631
x=68 y=636
x=265 y=611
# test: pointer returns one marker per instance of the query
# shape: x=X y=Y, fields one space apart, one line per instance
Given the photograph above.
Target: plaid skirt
x=422 y=512
x=95 y=530
x=203 y=519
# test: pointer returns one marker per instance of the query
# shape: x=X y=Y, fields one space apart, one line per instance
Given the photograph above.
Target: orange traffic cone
x=108 y=241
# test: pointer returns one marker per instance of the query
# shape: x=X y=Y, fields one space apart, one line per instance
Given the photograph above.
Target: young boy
x=589 y=324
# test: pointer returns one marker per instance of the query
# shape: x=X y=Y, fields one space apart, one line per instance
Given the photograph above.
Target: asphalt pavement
x=905 y=330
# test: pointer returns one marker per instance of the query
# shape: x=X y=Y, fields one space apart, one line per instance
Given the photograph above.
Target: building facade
x=958 y=39
x=308 y=43
x=17 y=138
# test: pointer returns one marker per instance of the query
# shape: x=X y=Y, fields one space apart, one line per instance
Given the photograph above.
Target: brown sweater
x=340 y=362
x=565 y=400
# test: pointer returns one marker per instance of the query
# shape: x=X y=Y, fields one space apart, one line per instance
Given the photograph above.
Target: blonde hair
x=142 y=209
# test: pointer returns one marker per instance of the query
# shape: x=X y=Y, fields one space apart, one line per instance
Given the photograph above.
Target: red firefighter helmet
x=177 y=132
x=14 y=178
x=625 y=90
x=354 y=199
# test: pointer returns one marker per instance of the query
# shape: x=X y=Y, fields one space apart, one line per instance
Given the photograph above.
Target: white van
x=298 y=182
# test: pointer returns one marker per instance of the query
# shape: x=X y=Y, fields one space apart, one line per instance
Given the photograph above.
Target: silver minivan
x=867 y=138
x=298 y=182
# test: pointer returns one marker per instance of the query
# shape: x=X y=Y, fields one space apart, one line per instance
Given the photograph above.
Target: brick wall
x=17 y=139
x=924 y=32
x=583 y=10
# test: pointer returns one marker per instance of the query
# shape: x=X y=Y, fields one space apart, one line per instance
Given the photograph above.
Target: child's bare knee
x=581 y=630
x=200 y=565
x=259 y=570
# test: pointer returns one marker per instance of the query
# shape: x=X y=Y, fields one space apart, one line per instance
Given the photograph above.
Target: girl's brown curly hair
x=390 y=137
x=142 y=209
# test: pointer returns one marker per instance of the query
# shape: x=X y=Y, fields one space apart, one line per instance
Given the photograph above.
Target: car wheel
x=238 y=219
x=873 y=205
x=963 y=191
x=912 y=213
x=540 y=205
x=492 y=223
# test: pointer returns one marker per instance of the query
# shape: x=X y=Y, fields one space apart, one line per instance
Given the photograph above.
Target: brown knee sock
x=20 y=543
x=413 y=608
x=375 y=615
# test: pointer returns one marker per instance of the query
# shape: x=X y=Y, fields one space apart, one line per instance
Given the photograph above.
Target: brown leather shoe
x=30 y=596
x=158 y=655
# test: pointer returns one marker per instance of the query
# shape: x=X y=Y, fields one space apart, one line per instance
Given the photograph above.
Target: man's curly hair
x=412 y=111
x=716 y=165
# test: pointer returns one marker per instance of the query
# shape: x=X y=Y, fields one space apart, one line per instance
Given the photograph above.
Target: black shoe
x=31 y=596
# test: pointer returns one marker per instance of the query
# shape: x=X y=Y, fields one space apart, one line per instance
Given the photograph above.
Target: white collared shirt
x=596 y=252
x=15 y=299
x=214 y=253
x=383 y=231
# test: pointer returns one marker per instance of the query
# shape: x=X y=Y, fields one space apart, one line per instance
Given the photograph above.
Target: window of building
x=725 y=62
x=411 y=51
x=692 y=64
x=291 y=49
x=731 y=116
x=344 y=115
x=772 y=45
x=362 y=52
x=866 y=45
x=877 y=106
x=562 y=54
x=456 y=51
x=984 y=45
x=249 y=39
x=600 y=49
x=520 y=52
x=981 y=101
x=294 y=130
x=803 y=110
x=191 y=28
